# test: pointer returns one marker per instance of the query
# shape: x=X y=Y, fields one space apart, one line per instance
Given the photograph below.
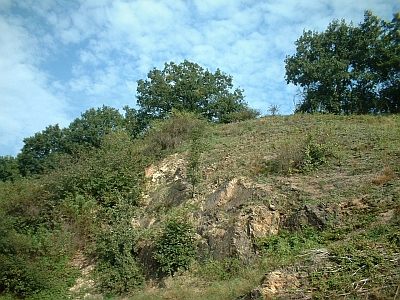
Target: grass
x=352 y=162
x=360 y=167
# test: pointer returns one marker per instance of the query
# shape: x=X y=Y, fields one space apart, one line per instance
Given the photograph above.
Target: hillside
x=281 y=207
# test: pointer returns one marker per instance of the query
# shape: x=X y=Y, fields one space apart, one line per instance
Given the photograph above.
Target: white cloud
x=27 y=102
x=105 y=46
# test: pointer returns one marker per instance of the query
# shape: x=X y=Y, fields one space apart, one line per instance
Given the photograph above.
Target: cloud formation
x=58 y=58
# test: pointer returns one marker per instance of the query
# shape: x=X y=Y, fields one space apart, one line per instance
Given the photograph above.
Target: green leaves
x=175 y=247
x=346 y=69
x=41 y=152
x=188 y=87
x=118 y=270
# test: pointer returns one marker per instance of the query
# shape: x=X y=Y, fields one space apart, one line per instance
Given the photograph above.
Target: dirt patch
x=83 y=284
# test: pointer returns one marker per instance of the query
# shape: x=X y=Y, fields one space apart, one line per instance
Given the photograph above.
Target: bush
x=171 y=132
x=117 y=270
x=300 y=155
x=99 y=173
x=314 y=154
x=175 y=248
x=33 y=249
x=244 y=114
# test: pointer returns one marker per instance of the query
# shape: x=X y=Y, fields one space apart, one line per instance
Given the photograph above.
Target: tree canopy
x=84 y=133
x=184 y=87
x=188 y=87
x=348 y=69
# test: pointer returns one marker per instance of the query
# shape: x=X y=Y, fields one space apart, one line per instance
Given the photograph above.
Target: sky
x=59 y=58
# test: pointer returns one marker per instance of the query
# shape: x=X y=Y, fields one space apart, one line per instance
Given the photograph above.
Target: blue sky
x=59 y=58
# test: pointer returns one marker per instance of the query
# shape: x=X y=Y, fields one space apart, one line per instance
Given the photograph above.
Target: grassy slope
x=363 y=167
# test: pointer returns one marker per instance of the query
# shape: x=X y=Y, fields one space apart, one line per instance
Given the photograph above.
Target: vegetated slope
x=310 y=204
x=291 y=207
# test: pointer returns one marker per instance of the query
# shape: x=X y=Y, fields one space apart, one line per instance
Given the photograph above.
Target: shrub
x=171 y=132
x=314 y=154
x=117 y=270
x=175 y=247
x=300 y=155
x=99 y=173
x=34 y=250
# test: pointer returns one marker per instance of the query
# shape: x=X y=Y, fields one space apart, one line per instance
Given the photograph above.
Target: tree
x=389 y=66
x=273 y=109
x=89 y=130
x=348 y=69
x=188 y=87
x=8 y=168
x=38 y=150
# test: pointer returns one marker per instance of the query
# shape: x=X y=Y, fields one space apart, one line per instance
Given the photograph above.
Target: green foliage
x=213 y=270
x=314 y=154
x=8 y=168
x=42 y=151
x=175 y=247
x=286 y=244
x=34 y=250
x=117 y=270
x=348 y=69
x=77 y=215
x=115 y=166
x=88 y=130
x=195 y=150
x=39 y=151
x=168 y=134
x=244 y=114
x=185 y=87
x=188 y=87
x=301 y=155
x=357 y=267
x=44 y=221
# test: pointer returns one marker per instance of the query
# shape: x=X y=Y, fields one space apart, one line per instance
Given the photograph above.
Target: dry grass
x=386 y=175
x=359 y=147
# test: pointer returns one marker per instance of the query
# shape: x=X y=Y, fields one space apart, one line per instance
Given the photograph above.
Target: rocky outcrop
x=319 y=216
x=230 y=217
x=229 y=222
x=288 y=282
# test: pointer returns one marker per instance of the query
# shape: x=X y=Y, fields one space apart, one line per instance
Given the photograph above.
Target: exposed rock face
x=287 y=282
x=319 y=216
x=229 y=226
x=230 y=218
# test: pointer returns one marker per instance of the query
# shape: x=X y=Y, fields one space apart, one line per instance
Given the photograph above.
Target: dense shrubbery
x=34 y=247
x=117 y=270
x=175 y=247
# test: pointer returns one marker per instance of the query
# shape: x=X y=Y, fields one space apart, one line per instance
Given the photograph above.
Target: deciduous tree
x=188 y=87
x=348 y=69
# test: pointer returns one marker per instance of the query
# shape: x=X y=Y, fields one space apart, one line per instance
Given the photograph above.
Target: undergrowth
x=89 y=204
